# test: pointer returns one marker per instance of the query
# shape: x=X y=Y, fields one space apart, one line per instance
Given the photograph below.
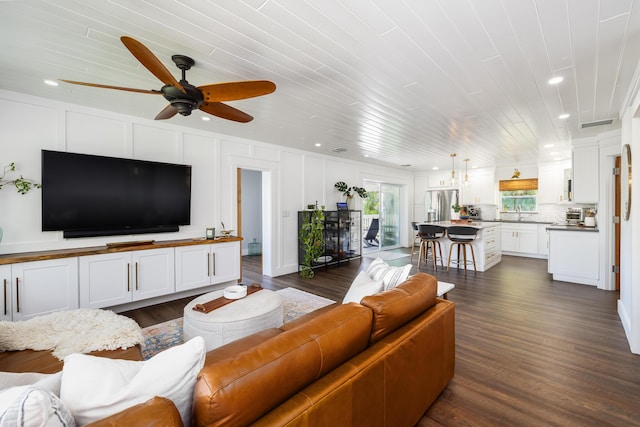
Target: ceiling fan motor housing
x=183 y=102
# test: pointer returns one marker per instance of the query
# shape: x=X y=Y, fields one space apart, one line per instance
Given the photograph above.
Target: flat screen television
x=86 y=195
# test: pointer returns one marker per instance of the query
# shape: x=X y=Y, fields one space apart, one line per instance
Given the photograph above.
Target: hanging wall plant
x=22 y=184
x=312 y=239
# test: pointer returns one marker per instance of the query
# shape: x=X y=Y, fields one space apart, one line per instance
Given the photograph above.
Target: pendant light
x=453 y=169
x=466 y=172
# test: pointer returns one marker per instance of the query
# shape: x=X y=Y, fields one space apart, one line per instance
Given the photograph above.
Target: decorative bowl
x=226 y=233
x=235 y=292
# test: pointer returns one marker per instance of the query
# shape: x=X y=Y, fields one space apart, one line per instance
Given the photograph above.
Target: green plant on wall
x=311 y=237
x=22 y=184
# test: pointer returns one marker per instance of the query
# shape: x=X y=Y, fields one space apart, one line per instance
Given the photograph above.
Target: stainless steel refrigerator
x=438 y=204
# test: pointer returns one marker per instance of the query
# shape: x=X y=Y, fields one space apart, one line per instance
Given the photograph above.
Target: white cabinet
x=440 y=180
x=520 y=239
x=486 y=249
x=39 y=287
x=112 y=279
x=204 y=265
x=574 y=256
x=481 y=189
x=5 y=297
x=585 y=174
x=551 y=182
x=543 y=241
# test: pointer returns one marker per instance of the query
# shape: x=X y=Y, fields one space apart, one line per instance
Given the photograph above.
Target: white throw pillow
x=33 y=407
x=377 y=268
x=96 y=387
x=395 y=276
x=361 y=287
x=392 y=276
x=48 y=382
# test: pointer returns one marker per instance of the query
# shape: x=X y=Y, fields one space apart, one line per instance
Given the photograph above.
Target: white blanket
x=71 y=331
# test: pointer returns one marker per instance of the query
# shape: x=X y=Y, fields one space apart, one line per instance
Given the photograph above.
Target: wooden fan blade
x=232 y=91
x=128 y=89
x=166 y=113
x=150 y=62
x=225 y=111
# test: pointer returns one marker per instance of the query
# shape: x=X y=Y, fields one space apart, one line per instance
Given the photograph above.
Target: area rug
x=71 y=331
x=387 y=256
x=295 y=303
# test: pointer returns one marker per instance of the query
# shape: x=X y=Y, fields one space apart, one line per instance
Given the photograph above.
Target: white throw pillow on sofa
x=361 y=287
x=96 y=387
x=29 y=406
x=392 y=276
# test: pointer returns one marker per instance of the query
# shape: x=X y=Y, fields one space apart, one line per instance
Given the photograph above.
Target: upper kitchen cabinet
x=551 y=182
x=584 y=185
x=481 y=188
x=440 y=180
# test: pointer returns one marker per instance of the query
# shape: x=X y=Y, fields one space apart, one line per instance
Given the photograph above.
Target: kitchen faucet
x=519 y=213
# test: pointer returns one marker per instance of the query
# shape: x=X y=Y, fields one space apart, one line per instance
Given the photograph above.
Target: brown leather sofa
x=379 y=363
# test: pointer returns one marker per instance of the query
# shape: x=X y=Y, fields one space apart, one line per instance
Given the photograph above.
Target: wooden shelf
x=120 y=247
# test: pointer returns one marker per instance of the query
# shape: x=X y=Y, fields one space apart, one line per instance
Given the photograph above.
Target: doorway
x=382 y=203
x=250 y=219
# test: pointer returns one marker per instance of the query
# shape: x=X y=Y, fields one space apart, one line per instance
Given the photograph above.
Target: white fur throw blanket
x=71 y=331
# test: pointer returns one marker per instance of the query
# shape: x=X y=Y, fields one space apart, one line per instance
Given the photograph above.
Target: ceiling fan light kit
x=183 y=97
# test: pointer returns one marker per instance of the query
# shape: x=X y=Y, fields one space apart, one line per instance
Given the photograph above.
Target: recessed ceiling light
x=435 y=168
x=548 y=145
x=556 y=80
x=318 y=145
x=554 y=153
x=51 y=82
x=564 y=116
x=366 y=155
x=205 y=118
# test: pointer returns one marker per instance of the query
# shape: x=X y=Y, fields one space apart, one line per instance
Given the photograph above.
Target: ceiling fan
x=182 y=96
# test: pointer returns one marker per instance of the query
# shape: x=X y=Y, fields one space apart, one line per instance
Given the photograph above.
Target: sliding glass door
x=383 y=205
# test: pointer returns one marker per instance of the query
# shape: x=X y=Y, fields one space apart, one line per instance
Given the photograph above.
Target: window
x=519 y=200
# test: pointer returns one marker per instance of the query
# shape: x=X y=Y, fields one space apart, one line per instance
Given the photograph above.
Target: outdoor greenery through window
x=371 y=203
x=522 y=200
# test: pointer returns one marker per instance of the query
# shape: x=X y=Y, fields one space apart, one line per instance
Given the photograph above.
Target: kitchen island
x=486 y=247
x=574 y=254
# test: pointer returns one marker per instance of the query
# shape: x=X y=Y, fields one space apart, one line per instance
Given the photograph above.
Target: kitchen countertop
x=571 y=227
x=515 y=221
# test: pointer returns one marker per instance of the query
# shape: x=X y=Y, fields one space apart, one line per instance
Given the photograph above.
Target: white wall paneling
x=291 y=178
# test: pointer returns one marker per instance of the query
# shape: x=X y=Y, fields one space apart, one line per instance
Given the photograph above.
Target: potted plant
x=312 y=239
x=348 y=191
x=456 y=211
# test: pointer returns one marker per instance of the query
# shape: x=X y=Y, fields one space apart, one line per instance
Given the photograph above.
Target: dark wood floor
x=530 y=351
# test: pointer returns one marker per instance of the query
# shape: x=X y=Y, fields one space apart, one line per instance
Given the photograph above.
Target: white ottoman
x=253 y=313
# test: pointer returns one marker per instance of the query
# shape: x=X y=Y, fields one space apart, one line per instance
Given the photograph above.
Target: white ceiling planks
x=402 y=82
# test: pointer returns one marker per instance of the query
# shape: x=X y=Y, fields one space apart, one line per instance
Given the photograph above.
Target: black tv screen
x=86 y=195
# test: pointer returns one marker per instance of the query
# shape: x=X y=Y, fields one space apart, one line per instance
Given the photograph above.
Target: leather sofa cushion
x=237 y=391
x=395 y=307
